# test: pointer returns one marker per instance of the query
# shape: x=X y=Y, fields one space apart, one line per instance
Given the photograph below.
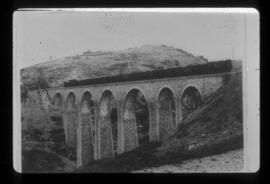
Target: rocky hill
x=97 y=64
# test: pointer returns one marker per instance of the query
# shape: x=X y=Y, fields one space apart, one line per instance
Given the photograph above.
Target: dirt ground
x=231 y=161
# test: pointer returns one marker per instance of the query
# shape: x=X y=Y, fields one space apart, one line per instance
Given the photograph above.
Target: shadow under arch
x=58 y=100
x=71 y=125
x=108 y=125
x=191 y=99
x=87 y=120
x=166 y=113
x=135 y=120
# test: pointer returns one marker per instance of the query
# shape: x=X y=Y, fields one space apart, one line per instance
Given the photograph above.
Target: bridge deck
x=201 y=69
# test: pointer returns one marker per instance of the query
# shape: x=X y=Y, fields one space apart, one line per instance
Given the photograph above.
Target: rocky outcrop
x=98 y=64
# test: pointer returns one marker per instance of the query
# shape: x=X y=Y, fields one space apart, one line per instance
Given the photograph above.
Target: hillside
x=231 y=161
x=99 y=64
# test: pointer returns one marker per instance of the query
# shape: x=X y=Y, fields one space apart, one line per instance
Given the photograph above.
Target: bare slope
x=97 y=64
x=214 y=128
x=43 y=139
x=231 y=161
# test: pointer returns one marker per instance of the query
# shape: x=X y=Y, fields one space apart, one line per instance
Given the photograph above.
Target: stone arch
x=71 y=123
x=193 y=86
x=58 y=100
x=87 y=120
x=166 y=113
x=191 y=99
x=136 y=123
x=71 y=100
x=67 y=94
x=108 y=125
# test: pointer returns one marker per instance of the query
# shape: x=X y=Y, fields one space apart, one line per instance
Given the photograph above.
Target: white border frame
x=251 y=71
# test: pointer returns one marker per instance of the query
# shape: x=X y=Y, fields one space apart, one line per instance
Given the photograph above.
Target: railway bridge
x=107 y=116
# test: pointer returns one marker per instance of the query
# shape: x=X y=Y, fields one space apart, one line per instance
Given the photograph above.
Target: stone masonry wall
x=106 y=142
x=71 y=129
x=87 y=139
x=166 y=124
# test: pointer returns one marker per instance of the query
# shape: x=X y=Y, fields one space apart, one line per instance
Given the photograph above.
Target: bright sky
x=40 y=35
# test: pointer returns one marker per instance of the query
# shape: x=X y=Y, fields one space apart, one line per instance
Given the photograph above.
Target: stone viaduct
x=86 y=109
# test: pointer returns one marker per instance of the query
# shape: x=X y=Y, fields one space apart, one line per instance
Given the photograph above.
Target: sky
x=39 y=36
